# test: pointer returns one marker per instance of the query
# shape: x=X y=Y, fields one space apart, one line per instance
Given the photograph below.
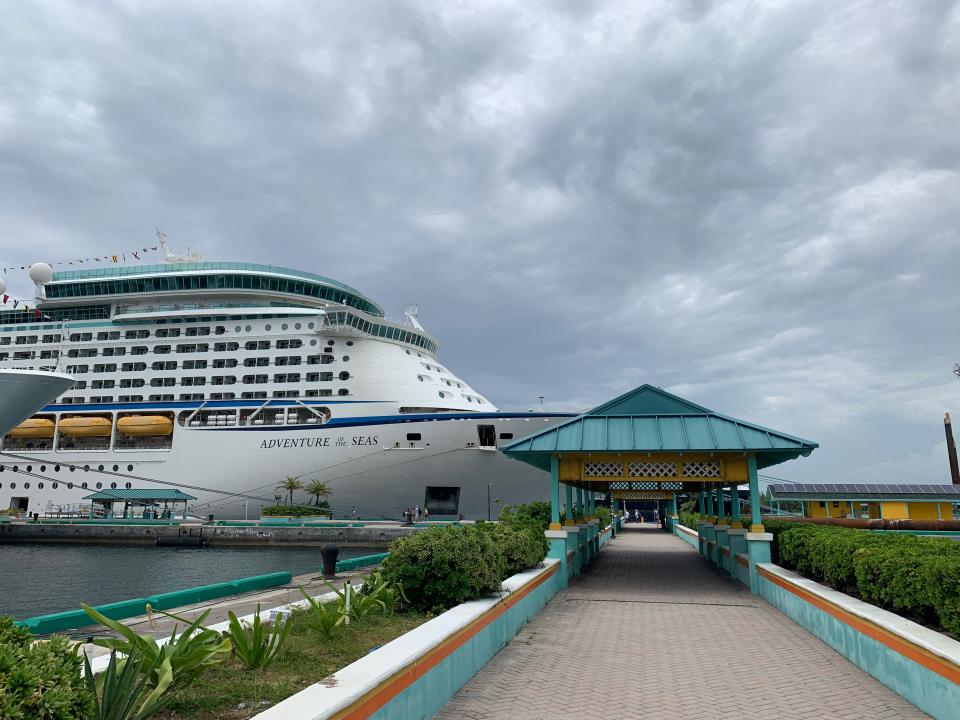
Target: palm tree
x=319 y=489
x=291 y=484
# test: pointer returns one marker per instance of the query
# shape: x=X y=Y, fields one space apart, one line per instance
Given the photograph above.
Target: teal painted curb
x=932 y=693
x=70 y=619
x=427 y=695
x=361 y=561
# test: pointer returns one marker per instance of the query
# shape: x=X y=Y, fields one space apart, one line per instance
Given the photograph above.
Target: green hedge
x=917 y=576
x=444 y=566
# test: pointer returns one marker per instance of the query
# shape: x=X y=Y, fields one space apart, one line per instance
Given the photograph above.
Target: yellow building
x=888 y=502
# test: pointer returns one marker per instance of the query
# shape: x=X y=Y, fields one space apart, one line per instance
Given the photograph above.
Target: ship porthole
x=297 y=326
x=29 y=468
x=83 y=485
x=310 y=325
x=99 y=468
x=16 y=468
x=26 y=486
x=284 y=327
x=56 y=485
x=56 y=468
x=116 y=467
x=86 y=468
x=69 y=486
x=73 y=468
x=43 y=468
x=99 y=486
x=268 y=327
x=128 y=486
x=113 y=486
x=237 y=329
x=40 y=486
x=13 y=486
x=129 y=469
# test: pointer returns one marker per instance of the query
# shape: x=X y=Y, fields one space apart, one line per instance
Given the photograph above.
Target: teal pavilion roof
x=141 y=495
x=648 y=419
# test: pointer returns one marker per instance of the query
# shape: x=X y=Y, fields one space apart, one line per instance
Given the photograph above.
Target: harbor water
x=46 y=578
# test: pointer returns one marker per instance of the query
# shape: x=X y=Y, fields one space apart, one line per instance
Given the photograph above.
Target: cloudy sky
x=752 y=204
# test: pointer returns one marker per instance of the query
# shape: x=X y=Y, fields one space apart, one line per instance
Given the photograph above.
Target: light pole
x=489 y=485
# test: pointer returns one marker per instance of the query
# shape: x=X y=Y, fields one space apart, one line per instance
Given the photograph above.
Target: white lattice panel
x=653 y=469
x=602 y=469
x=701 y=469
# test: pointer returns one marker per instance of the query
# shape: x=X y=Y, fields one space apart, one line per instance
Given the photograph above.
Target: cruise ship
x=224 y=379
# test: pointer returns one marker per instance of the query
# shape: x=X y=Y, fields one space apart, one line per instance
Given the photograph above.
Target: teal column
x=568 y=489
x=703 y=502
x=672 y=505
x=580 y=500
x=554 y=492
x=756 y=525
x=709 y=494
x=718 y=491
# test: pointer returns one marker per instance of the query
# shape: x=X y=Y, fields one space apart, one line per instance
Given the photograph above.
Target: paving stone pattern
x=653 y=630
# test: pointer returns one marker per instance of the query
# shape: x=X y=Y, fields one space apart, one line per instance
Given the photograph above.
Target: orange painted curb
x=743 y=561
x=375 y=699
x=908 y=649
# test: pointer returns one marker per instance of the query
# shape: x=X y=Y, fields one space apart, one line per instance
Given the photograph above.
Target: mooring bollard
x=329 y=552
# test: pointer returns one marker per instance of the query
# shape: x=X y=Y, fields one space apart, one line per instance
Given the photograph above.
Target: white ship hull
x=233 y=472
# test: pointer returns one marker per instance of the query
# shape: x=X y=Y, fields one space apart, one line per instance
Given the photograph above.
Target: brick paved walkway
x=686 y=641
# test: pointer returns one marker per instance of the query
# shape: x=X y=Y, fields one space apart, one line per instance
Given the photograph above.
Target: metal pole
x=488 y=501
x=554 y=493
x=756 y=525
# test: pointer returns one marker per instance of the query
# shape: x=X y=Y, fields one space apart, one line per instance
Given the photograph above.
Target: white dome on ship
x=41 y=273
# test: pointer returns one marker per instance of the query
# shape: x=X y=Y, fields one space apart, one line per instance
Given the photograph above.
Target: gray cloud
x=754 y=205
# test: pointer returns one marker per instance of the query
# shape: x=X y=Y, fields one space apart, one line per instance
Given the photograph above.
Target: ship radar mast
x=172 y=256
x=412 y=312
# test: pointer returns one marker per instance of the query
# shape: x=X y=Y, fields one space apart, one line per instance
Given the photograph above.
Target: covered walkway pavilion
x=650 y=626
x=652 y=629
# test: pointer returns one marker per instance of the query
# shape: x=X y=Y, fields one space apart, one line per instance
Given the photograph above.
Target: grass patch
x=229 y=691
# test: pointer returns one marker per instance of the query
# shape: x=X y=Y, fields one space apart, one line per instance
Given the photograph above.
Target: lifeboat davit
x=34 y=428
x=86 y=426
x=140 y=425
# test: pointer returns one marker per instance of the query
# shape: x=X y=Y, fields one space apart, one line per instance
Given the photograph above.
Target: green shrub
x=604 y=515
x=523 y=546
x=445 y=566
x=537 y=512
x=916 y=576
x=39 y=680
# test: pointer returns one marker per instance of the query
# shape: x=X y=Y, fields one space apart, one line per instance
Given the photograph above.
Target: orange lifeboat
x=141 y=425
x=34 y=428
x=86 y=426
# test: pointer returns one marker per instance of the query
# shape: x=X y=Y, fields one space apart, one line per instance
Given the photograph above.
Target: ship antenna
x=412 y=311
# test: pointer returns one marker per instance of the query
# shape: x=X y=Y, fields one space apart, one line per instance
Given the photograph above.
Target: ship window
x=99 y=486
x=442 y=394
x=346 y=358
x=138 y=350
x=506 y=436
x=226 y=347
x=220 y=330
x=129 y=485
x=26 y=486
x=344 y=375
x=161 y=349
x=284 y=326
x=268 y=327
x=414 y=436
x=247 y=328
x=343 y=391
x=225 y=363
x=237 y=329
x=331 y=343
x=113 y=485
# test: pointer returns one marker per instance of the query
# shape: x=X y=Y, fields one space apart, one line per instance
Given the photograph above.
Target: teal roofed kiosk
x=147 y=502
x=651 y=445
